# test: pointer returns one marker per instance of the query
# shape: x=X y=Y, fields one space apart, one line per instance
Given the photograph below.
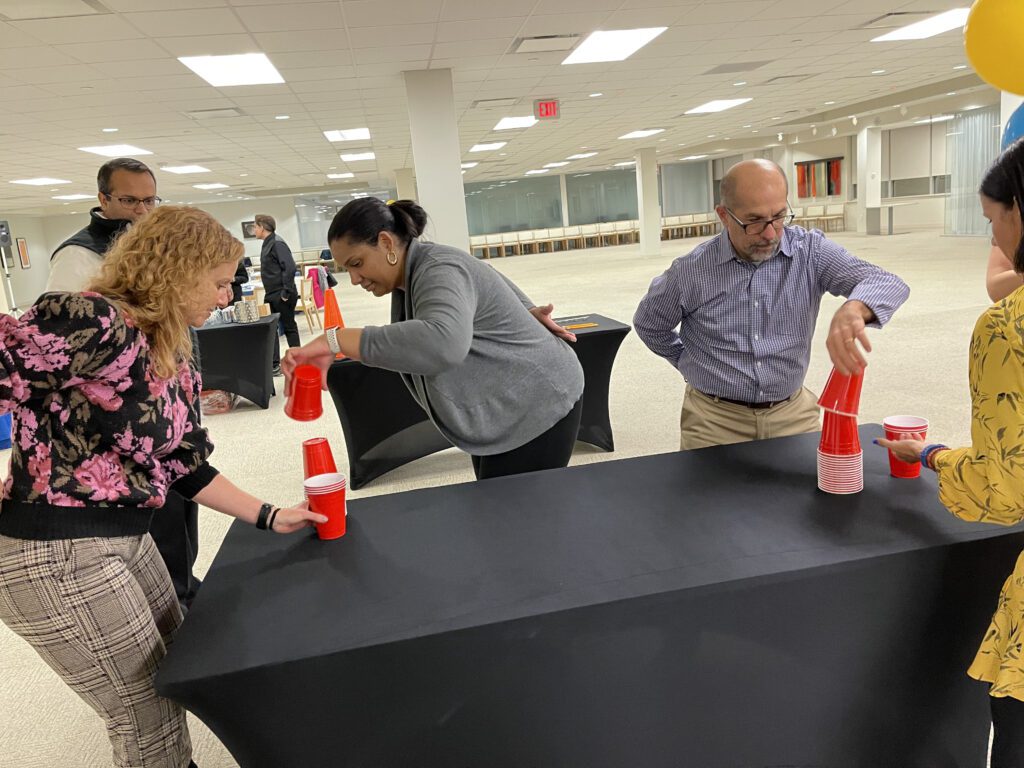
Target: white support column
x=436 y=154
x=405 y=183
x=869 y=180
x=783 y=157
x=647 y=201
x=565 y=199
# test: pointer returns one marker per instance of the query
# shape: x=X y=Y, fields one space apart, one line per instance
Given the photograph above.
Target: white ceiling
x=113 y=64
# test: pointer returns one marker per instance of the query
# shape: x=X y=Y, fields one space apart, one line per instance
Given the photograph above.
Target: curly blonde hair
x=153 y=269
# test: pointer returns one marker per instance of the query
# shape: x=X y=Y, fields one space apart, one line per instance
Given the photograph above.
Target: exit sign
x=545 y=109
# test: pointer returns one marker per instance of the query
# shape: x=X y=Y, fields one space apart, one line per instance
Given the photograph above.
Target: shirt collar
x=728 y=253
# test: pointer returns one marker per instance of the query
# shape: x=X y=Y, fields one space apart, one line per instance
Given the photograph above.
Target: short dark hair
x=1004 y=184
x=363 y=219
x=266 y=221
x=129 y=164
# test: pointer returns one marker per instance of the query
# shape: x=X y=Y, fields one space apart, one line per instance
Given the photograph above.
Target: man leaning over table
x=736 y=315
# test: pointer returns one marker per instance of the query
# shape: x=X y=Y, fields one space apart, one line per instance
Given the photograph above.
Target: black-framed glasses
x=133 y=202
x=757 y=227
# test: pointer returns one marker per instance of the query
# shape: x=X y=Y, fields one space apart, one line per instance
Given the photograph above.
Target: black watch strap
x=261 y=521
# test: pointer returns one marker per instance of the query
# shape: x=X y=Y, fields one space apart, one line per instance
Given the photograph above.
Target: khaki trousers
x=706 y=421
x=100 y=612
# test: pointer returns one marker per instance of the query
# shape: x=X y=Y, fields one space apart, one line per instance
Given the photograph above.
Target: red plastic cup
x=317 y=458
x=326 y=494
x=842 y=393
x=304 y=403
x=839 y=435
x=900 y=427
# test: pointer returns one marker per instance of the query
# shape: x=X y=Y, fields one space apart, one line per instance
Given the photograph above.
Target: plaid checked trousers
x=100 y=612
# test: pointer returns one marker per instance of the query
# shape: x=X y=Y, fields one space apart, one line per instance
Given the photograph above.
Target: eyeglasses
x=133 y=202
x=757 y=227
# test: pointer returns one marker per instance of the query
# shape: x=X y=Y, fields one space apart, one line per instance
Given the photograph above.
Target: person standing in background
x=277 y=270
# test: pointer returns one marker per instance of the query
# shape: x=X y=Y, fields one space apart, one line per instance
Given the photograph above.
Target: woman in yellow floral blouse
x=985 y=481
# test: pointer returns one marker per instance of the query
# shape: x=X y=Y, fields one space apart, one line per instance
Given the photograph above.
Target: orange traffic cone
x=332 y=314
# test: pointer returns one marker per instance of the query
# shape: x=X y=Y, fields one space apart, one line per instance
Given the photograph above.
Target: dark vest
x=98 y=236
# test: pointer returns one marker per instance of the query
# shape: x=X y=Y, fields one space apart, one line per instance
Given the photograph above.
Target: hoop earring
x=392 y=257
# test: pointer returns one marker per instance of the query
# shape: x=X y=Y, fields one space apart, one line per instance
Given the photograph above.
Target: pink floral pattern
x=93 y=424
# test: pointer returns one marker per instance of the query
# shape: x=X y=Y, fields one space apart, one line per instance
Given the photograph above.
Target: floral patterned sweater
x=97 y=437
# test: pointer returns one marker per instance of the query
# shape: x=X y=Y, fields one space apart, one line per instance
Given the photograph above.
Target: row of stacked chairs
x=828 y=218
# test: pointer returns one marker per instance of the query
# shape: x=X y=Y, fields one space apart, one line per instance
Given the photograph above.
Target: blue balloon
x=1014 y=128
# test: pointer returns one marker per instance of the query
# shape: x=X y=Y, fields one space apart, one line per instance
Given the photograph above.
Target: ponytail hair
x=362 y=220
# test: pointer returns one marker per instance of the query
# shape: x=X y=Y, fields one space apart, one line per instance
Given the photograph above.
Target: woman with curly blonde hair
x=106 y=407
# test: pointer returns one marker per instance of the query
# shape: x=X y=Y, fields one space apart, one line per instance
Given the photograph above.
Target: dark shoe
x=276 y=371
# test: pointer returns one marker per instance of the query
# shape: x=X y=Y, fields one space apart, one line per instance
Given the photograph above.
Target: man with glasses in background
x=127 y=192
x=736 y=315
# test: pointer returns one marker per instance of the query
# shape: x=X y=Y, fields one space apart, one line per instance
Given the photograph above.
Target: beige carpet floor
x=919 y=365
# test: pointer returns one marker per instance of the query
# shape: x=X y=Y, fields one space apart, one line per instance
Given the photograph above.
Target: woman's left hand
x=543 y=314
x=291 y=519
x=906 y=449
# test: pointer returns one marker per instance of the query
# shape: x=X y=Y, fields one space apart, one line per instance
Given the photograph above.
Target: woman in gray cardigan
x=496 y=382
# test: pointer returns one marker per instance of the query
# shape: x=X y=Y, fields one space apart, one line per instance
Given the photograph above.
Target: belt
x=755 y=406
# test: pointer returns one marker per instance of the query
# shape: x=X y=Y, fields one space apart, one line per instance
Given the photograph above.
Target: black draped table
x=709 y=609
x=385 y=428
x=239 y=357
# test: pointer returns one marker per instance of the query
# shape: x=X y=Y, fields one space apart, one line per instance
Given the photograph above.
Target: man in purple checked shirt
x=736 y=315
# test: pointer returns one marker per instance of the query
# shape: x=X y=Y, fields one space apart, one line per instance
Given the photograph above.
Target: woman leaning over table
x=496 y=382
x=106 y=406
x=985 y=481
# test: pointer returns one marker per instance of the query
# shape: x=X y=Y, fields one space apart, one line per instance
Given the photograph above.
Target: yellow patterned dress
x=985 y=482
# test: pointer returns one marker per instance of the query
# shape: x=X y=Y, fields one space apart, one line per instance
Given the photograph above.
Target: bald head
x=749 y=179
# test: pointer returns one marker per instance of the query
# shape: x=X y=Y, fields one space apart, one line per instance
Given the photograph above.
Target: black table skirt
x=709 y=608
x=385 y=428
x=238 y=358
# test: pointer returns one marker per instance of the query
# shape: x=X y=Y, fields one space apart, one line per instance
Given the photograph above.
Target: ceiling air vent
x=545 y=43
x=739 y=66
x=19 y=10
x=896 y=19
x=493 y=103
x=211 y=114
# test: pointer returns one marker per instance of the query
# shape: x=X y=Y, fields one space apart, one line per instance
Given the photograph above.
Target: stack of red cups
x=840 y=459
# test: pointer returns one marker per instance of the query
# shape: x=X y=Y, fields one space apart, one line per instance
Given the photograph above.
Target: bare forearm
x=224 y=496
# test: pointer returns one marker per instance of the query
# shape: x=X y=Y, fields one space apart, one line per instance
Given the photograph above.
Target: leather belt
x=755 y=406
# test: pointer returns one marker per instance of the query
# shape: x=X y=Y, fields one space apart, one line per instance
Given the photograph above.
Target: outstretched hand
x=543 y=315
x=907 y=449
x=291 y=519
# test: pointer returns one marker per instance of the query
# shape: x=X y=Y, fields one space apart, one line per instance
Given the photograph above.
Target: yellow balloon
x=994 y=41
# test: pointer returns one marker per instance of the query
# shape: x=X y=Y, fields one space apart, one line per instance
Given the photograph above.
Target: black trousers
x=286 y=309
x=549 y=450
x=1008 y=725
x=175 y=530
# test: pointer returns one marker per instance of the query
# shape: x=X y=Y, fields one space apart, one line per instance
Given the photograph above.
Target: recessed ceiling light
x=625 y=163
x=116 y=150
x=508 y=123
x=612 y=45
x=488 y=147
x=351 y=134
x=829 y=103
x=42 y=181
x=718 y=105
x=776 y=118
x=581 y=156
x=693 y=157
x=211 y=186
x=741 y=82
x=937 y=119
x=556 y=165
x=73 y=197
x=357 y=156
x=960 y=66
x=185 y=169
x=470 y=165
x=930 y=27
x=241 y=174
x=110 y=130
x=877 y=71
x=595 y=95
x=536 y=171
x=711 y=135
x=239 y=69
x=951 y=93
x=340 y=175
x=641 y=134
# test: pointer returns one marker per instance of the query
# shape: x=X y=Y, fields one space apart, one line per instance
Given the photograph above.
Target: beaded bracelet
x=929 y=451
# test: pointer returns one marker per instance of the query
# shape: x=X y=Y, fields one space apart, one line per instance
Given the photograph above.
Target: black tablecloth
x=385 y=428
x=709 y=608
x=239 y=357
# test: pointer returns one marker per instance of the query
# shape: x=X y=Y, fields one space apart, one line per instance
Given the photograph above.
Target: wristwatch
x=332 y=340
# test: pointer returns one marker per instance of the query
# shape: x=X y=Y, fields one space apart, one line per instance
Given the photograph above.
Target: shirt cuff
x=189 y=485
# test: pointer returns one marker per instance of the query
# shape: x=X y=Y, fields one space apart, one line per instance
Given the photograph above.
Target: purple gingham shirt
x=743 y=331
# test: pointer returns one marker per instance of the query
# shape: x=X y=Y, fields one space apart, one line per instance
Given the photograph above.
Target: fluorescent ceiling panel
x=340 y=175
x=116 y=150
x=930 y=27
x=238 y=69
x=470 y=165
x=612 y=45
x=352 y=134
x=642 y=134
x=536 y=171
x=185 y=169
x=73 y=197
x=556 y=165
x=42 y=181
x=693 y=157
x=488 y=147
x=718 y=105
x=623 y=164
x=508 y=123
x=581 y=156
x=357 y=156
x=210 y=186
